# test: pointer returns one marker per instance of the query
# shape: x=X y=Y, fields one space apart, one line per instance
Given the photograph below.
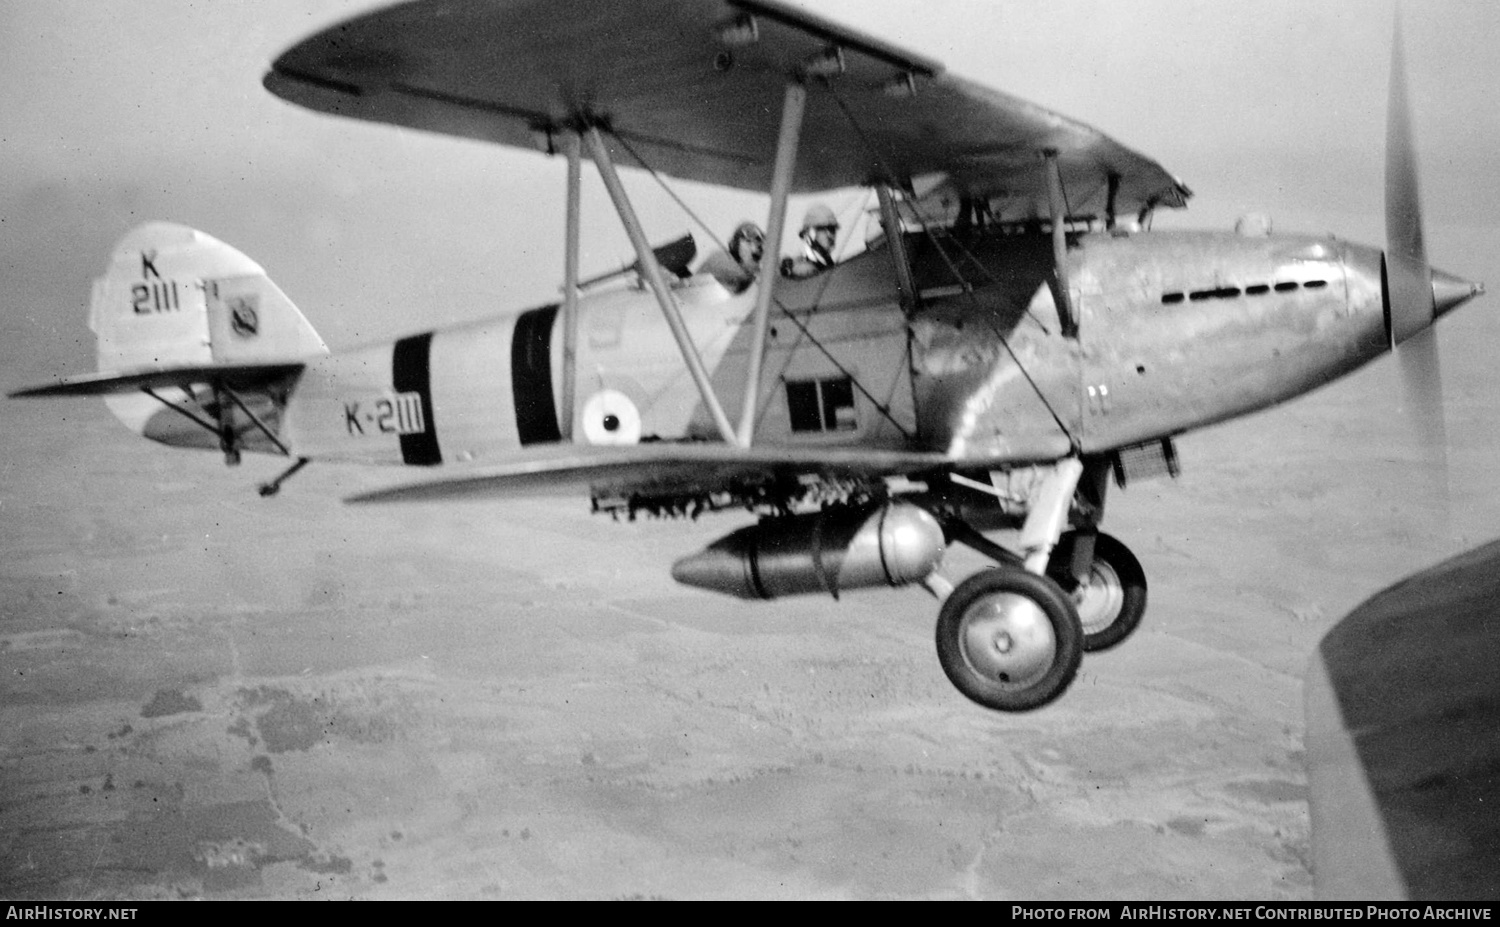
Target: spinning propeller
x=1415 y=294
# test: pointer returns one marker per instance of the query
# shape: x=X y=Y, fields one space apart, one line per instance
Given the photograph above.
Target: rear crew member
x=737 y=265
x=820 y=229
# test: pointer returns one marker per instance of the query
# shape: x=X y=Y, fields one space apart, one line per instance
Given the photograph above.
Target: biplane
x=1014 y=338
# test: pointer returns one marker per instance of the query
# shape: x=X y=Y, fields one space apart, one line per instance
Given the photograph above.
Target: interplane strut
x=793 y=106
x=652 y=272
x=572 y=147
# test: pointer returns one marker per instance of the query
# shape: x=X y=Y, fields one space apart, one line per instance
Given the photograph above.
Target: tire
x=1009 y=640
x=1111 y=603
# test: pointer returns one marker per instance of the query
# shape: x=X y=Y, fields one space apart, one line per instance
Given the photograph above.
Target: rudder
x=174 y=296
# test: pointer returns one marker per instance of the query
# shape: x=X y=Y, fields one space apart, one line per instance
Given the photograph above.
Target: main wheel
x=1009 y=640
x=1112 y=600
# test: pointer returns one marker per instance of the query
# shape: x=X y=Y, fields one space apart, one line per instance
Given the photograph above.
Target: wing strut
x=572 y=145
x=1063 y=294
x=792 y=107
x=652 y=272
x=1110 y=198
x=896 y=242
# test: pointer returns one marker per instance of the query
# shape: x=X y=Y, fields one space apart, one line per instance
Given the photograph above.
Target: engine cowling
x=838 y=548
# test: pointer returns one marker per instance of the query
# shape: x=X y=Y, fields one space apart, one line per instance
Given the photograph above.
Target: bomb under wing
x=851 y=547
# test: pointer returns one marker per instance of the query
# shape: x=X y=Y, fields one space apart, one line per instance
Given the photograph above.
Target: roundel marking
x=609 y=417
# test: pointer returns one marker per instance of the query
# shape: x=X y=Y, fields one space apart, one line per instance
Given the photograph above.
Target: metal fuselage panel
x=1177 y=330
x=481 y=390
x=992 y=373
x=1182 y=330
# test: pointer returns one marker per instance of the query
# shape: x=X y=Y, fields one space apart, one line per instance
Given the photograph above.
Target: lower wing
x=674 y=467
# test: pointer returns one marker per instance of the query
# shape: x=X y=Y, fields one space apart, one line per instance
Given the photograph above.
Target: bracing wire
x=968 y=290
x=882 y=408
x=670 y=192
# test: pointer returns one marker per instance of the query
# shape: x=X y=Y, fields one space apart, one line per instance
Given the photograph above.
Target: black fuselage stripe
x=411 y=373
x=531 y=377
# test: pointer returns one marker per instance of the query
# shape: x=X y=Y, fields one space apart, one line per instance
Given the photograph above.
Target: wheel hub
x=1008 y=638
x=1100 y=598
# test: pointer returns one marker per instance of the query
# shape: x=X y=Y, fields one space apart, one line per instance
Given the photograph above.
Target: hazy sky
x=115 y=113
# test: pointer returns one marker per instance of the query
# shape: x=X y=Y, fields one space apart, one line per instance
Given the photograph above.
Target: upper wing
x=642 y=467
x=694 y=88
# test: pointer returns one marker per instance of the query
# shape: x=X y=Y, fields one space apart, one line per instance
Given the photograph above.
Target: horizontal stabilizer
x=234 y=376
x=561 y=467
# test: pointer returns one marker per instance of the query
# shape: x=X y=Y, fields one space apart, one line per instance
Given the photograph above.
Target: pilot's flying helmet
x=819 y=216
x=745 y=231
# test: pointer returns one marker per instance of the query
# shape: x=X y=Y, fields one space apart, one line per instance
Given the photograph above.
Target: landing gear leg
x=1048 y=514
x=1009 y=638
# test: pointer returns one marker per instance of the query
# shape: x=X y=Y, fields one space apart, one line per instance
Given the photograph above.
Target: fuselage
x=1177 y=330
x=493 y=387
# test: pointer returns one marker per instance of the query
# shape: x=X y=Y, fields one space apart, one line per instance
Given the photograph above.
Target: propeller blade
x=1408 y=278
x=1410 y=297
x=1422 y=386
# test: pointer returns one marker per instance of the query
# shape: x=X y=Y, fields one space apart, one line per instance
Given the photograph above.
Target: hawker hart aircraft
x=1013 y=339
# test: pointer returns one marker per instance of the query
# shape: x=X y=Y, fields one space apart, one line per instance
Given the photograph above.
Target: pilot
x=820 y=229
x=736 y=266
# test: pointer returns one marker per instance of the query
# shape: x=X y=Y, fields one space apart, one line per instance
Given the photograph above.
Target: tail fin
x=177 y=297
x=178 y=307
